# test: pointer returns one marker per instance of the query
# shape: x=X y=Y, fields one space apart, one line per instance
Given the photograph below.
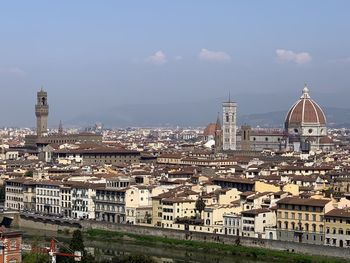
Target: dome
x=305 y=112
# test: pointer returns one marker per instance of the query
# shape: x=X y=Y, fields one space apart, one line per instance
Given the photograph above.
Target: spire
x=60 y=127
x=229 y=96
x=305 y=94
x=218 y=122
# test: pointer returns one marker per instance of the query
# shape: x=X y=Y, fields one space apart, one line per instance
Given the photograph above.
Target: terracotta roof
x=343 y=213
x=302 y=201
x=305 y=110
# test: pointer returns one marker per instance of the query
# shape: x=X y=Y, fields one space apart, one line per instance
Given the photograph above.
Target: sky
x=93 y=56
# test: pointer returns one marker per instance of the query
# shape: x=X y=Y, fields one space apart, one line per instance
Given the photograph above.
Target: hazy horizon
x=95 y=58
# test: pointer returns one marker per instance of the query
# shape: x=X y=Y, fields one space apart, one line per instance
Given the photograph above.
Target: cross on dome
x=305 y=93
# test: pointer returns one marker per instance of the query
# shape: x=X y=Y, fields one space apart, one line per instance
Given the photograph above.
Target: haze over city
x=100 y=59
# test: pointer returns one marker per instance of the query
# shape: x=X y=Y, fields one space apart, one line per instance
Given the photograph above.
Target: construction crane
x=53 y=253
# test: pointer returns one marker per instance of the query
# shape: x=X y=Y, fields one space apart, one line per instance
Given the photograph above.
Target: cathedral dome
x=305 y=112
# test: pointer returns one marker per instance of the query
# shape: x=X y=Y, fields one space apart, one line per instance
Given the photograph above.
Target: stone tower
x=229 y=110
x=245 y=137
x=60 y=128
x=41 y=113
x=218 y=135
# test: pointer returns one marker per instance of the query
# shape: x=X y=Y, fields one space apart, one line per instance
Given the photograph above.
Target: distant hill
x=336 y=118
x=190 y=114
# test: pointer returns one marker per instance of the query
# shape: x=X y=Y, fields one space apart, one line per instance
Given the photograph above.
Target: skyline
x=93 y=58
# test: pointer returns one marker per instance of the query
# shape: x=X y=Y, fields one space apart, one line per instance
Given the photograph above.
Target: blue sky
x=95 y=55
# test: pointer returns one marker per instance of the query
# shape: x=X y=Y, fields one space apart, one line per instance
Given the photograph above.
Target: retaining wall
x=187 y=235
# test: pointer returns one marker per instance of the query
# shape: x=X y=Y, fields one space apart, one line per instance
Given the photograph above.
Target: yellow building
x=302 y=220
x=337 y=226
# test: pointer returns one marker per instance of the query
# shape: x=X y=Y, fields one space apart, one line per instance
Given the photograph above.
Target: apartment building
x=302 y=220
x=110 y=200
x=48 y=199
x=138 y=204
x=83 y=200
x=14 y=194
x=66 y=200
x=337 y=228
x=254 y=222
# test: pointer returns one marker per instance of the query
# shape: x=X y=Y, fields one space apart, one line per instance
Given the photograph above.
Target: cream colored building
x=254 y=222
x=138 y=204
x=302 y=220
x=337 y=228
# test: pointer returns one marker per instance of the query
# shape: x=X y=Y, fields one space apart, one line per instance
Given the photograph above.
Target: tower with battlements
x=41 y=113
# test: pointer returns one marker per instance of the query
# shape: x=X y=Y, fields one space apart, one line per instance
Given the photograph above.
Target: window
x=307 y=217
x=313 y=217
x=293 y=215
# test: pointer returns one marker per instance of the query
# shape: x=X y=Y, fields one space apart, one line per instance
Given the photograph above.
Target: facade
x=138 y=205
x=255 y=222
x=302 y=220
x=98 y=156
x=14 y=194
x=337 y=228
x=66 y=201
x=232 y=224
x=229 y=110
x=110 y=200
x=48 y=200
x=11 y=246
x=83 y=201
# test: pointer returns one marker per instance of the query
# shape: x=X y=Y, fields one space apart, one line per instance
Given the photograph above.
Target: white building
x=255 y=222
x=83 y=204
x=48 y=199
x=138 y=204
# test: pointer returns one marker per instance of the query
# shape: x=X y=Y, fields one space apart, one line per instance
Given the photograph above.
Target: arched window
x=227 y=117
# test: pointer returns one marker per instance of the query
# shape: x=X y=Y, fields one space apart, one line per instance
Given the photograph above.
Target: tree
x=35 y=258
x=133 y=258
x=28 y=173
x=76 y=244
x=200 y=206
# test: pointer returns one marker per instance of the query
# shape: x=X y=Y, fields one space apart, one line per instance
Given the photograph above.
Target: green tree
x=200 y=206
x=133 y=258
x=76 y=244
x=35 y=258
x=2 y=194
x=28 y=173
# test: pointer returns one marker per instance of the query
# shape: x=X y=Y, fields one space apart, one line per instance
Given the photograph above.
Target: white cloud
x=291 y=56
x=214 y=56
x=12 y=71
x=158 y=58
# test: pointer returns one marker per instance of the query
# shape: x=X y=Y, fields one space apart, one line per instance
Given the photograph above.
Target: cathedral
x=306 y=125
x=305 y=130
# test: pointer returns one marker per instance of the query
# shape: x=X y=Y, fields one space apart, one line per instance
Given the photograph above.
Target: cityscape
x=135 y=183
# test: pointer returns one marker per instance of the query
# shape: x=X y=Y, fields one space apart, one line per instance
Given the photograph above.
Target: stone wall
x=186 y=235
x=224 y=239
x=37 y=223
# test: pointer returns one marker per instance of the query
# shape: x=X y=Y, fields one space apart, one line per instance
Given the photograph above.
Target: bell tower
x=229 y=110
x=41 y=113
